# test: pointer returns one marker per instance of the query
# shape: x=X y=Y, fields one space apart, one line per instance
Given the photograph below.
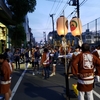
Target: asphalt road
x=25 y=86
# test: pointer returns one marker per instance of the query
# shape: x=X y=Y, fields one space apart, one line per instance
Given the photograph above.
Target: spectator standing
x=27 y=58
x=33 y=50
x=83 y=67
x=17 y=58
x=6 y=53
x=55 y=58
x=37 y=56
x=96 y=52
x=45 y=63
x=22 y=54
x=76 y=52
x=10 y=56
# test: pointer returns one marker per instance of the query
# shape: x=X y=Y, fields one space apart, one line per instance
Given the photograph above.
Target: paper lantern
x=76 y=26
x=62 y=26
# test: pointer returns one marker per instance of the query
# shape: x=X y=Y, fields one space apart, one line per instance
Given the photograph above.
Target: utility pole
x=51 y=15
x=52 y=21
x=78 y=14
x=75 y=3
x=44 y=34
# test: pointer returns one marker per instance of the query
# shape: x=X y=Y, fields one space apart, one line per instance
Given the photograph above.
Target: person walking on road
x=83 y=67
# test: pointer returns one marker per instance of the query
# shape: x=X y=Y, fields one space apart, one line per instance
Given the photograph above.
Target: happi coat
x=5 y=77
x=83 y=67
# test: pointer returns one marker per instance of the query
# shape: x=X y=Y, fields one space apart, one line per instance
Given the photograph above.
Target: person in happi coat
x=83 y=67
x=45 y=63
x=5 y=77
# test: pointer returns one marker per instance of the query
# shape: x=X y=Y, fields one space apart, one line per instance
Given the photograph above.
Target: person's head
x=17 y=50
x=77 y=49
x=85 y=47
x=37 y=48
x=45 y=50
x=7 y=49
x=2 y=58
x=55 y=49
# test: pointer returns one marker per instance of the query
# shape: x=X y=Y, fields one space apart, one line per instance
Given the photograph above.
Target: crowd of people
x=84 y=63
x=35 y=57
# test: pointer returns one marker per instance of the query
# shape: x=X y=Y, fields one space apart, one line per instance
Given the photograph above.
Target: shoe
x=52 y=74
x=33 y=73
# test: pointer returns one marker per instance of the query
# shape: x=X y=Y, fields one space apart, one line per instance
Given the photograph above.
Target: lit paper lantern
x=76 y=26
x=62 y=26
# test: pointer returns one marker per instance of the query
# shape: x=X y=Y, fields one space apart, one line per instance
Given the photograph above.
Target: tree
x=17 y=35
x=20 y=8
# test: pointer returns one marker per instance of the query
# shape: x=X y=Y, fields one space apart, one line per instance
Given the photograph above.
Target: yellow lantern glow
x=62 y=26
x=76 y=26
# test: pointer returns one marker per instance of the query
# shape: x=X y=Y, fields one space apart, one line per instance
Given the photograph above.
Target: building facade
x=5 y=21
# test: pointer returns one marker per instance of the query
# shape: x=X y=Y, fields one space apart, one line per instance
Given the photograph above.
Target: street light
x=51 y=39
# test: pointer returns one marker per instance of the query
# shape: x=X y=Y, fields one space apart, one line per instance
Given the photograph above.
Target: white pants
x=89 y=95
x=27 y=65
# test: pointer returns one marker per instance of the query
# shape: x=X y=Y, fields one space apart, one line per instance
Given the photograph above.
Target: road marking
x=98 y=95
x=17 y=84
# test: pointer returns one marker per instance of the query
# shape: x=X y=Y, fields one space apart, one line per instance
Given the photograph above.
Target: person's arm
x=74 y=68
x=97 y=65
x=6 y=72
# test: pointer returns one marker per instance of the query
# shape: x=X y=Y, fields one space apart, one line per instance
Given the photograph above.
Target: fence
x=91 y=32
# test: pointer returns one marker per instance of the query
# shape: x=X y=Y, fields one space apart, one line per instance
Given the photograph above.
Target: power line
x=75 y=11
x=84 y=1
x=57 y=7
x=50 y=12
x=66 y=4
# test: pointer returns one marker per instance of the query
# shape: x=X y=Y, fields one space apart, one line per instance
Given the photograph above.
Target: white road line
x=98 y=95
x=17 y=84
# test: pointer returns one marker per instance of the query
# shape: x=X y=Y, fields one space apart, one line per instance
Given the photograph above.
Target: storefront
x=3 y=37
x=5 y=21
